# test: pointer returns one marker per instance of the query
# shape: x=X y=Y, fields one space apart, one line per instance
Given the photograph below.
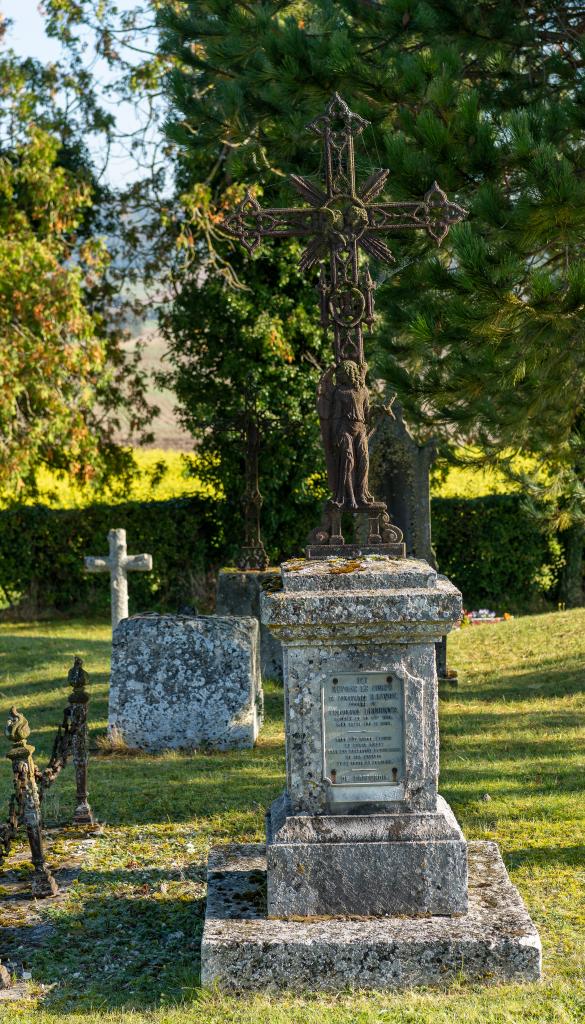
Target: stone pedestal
x=238 y=593
x=182 y=681
x=361 y=830
x=367 y=864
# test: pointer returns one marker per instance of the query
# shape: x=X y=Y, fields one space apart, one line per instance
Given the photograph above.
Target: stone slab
x=370 y=572
x=238 y=593
x=346 y=867
x=243 y=950
x=375 y=599
x=183 y=681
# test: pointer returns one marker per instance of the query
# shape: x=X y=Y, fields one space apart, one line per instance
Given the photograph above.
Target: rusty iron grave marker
x=343 y=221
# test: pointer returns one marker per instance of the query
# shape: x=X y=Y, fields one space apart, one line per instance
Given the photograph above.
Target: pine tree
x=483 y=340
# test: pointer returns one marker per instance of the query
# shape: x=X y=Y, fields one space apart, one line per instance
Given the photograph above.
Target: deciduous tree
x=65 y=375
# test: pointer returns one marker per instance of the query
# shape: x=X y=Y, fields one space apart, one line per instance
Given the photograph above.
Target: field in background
x=161 y=475
x=126 y=942
x=169 y=434
x=164 y=474
x=477 y=482
x=168 y=468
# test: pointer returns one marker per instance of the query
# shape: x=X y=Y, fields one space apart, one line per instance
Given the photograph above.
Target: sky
x=27 y=37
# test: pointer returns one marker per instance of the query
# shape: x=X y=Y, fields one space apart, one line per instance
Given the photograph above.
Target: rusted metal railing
x=31 y=784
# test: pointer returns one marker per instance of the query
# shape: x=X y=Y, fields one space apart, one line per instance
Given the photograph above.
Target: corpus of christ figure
x=342 y=220
x=343 y=405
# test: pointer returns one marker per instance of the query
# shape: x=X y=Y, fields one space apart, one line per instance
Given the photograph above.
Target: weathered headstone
x=362 y=744
x=181 y=681
x=366 y=869
x=238 y=593
x=401 y=472
x=118 y=563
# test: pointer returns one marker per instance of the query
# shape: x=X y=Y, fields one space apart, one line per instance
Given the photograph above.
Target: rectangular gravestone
x=238 y=593
x=186 y=681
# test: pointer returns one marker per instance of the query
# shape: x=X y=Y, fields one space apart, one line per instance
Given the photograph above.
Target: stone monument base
x=371 y=864
x=243 y=950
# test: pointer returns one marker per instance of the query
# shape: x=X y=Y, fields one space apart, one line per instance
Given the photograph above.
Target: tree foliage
x=112 y=70
x=51 y=358
x=68 y=384
x=485 y=99
x=252 y=354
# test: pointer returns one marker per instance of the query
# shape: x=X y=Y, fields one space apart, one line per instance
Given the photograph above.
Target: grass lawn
x=126 y=941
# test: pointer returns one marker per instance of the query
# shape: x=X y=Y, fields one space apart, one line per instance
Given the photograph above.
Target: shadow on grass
x=537 y=680
x=43 y=699
x=547 y=856
x=37 y=692
x=273 y=703
x=131 y=953
x=183 y=789
x=475 y=738
x=123 y=952
x=17 y=650
x=461 y=785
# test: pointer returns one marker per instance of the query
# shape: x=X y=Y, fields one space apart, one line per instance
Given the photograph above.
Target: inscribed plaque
x=363 y=729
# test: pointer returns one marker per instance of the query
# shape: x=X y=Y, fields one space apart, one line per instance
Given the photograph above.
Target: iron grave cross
x=342 y=219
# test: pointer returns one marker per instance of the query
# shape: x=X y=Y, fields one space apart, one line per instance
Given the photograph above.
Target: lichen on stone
x=348 y=565
x=294 y=564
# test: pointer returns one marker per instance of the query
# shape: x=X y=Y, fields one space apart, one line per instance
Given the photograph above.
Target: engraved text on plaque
x=363 y=734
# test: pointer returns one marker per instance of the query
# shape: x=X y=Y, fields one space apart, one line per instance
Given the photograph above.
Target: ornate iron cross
x=341 y=219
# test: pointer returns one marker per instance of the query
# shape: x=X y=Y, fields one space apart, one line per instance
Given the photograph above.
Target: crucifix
x=341 y=220
x=118 y=563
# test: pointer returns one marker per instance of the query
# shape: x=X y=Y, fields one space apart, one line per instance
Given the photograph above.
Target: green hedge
x=490 y=547
x=42 y=552
x=495 y=552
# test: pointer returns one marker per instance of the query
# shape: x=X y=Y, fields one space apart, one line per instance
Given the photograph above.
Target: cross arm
x=138 y=563
x=92 y=564
x=250 y=222
x=435 y=214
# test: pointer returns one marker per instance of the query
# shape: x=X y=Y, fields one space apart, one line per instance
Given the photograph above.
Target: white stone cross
x=119 y=563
